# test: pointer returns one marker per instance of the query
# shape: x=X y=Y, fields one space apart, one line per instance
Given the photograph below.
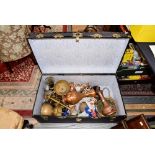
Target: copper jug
x=74 y=97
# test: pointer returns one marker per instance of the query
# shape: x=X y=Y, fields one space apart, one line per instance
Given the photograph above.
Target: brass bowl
x=62 y=87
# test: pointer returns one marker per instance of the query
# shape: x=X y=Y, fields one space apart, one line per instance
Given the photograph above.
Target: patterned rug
x=22 y=71
x=18 y=89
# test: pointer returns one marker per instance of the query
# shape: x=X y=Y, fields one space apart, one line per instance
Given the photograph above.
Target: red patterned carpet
x=18 y=89
x=22 y=70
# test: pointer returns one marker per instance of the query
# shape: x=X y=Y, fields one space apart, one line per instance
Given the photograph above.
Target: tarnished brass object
x=58 y=102
x=74 y=97
x=57 y=111
x=47 y=93
x=49 y=81
x=46 y=109
x=62 y=87
x=107 y=108
x=69 y=99
x=79 y=87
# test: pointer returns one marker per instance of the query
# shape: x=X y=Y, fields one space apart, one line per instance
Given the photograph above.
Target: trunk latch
x=77 y=36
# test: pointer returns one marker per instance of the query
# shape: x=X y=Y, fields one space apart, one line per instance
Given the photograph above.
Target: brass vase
x=74 y=97
x=107 y=108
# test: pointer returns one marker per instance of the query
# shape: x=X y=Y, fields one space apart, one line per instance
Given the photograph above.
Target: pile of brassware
x=69 y=99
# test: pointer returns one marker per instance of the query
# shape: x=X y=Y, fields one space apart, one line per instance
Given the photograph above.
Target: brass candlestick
x=58 y=102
